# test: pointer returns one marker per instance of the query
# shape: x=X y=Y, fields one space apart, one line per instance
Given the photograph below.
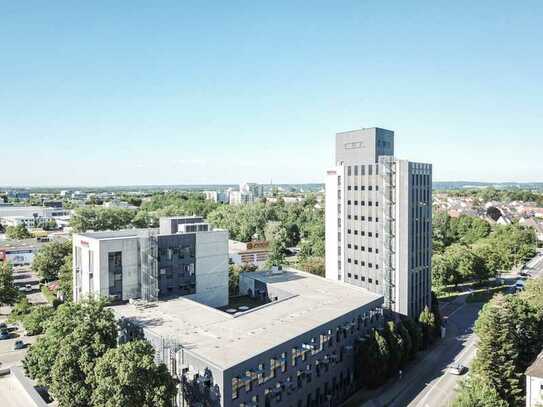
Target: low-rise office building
x=184 y=257
x=254 y=252
x=293 y=346
x=31 y=216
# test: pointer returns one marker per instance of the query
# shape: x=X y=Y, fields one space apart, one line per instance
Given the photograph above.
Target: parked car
x=28 y=287
x=4 y=334
x=18 y=345
x=519 y=285
x=3 y=326
x=457 y=370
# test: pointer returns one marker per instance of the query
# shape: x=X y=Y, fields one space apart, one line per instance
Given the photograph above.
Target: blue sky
x=174 y=92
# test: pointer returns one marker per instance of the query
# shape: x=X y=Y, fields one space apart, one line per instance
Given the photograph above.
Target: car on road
x=519 y=285
x=18 y=345
x=3 y=326
x=524 y=274
x=4 y=334
x=457 y=370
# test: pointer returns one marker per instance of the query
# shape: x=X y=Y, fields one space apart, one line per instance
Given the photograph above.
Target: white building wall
x=534 y=392
x=130 y=261
x=211 y=268
x=331 y=225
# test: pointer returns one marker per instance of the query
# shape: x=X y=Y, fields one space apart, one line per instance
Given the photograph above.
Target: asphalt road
x=460 y=347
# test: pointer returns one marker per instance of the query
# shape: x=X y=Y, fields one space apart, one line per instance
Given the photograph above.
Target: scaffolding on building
x=388 y=175
x=149 y=267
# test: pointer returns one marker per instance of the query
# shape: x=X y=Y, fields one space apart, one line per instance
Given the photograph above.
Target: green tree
x=75 y=336
x=475 y=392
x=98 y=218
x=20 y=310
x=395 y=345
x=314 y=265
x=278 y=248
x=8 y=292
x=429 y=327
x=415 y=333
x=374 y=357
x=36 y=321
x=50 y=259
x=65 y=277
x=18 y=232
x=408 y=351
x=510 y=338
x=128 y=376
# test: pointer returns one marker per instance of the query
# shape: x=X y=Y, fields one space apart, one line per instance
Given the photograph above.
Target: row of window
x=363 y=278
x=362 y=169
x=362 y=248
x=363 y=263
x=314 y=346
x=363 y=232
x=362 y=203
x=362 y=187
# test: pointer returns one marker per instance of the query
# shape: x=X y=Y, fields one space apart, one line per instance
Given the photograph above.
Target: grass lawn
x=486 y=294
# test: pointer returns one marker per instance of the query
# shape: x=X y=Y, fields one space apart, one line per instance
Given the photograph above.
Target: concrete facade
x=379 y=220
x=121 y=265
x=296 y=350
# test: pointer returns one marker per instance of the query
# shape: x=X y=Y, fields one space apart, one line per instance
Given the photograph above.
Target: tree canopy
x=128 y=376
x=18 y=232
x=8 y=292
x=50 y=258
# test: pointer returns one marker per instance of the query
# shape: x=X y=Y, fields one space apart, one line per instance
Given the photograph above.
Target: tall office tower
x=379 y=220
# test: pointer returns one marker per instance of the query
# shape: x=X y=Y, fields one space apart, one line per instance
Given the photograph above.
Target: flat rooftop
x=226 y=340
x=113 y=234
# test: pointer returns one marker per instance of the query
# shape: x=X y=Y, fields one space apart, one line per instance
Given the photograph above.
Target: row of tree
x=510 y=331
x=467 y=249
x=386 y=351
x=82 y=365
x=500 y=195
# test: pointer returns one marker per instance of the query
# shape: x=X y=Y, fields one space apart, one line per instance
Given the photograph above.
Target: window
x=376 y=234
x=376 y=219
x=356 y=202
x=349 y=202
x=349 y=188
x=370 y=218
x=369 y=234
x=363 y=187
x=369 y=188
x=376 y=282
x=370 y=250
x=356 y=262
x=363 y=278
x=376 y=266
x=349 y=231
x=363 y=248
x=355 y=217
x=356 y=276
x=356 y=187
x=349 y=275
x=370 y=280
x=370 y=203
x=356 y=232
x=370 y=265
x=356 y=247
x=348 y=260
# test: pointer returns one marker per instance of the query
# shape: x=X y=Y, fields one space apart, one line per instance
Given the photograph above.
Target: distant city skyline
x=101 y=94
